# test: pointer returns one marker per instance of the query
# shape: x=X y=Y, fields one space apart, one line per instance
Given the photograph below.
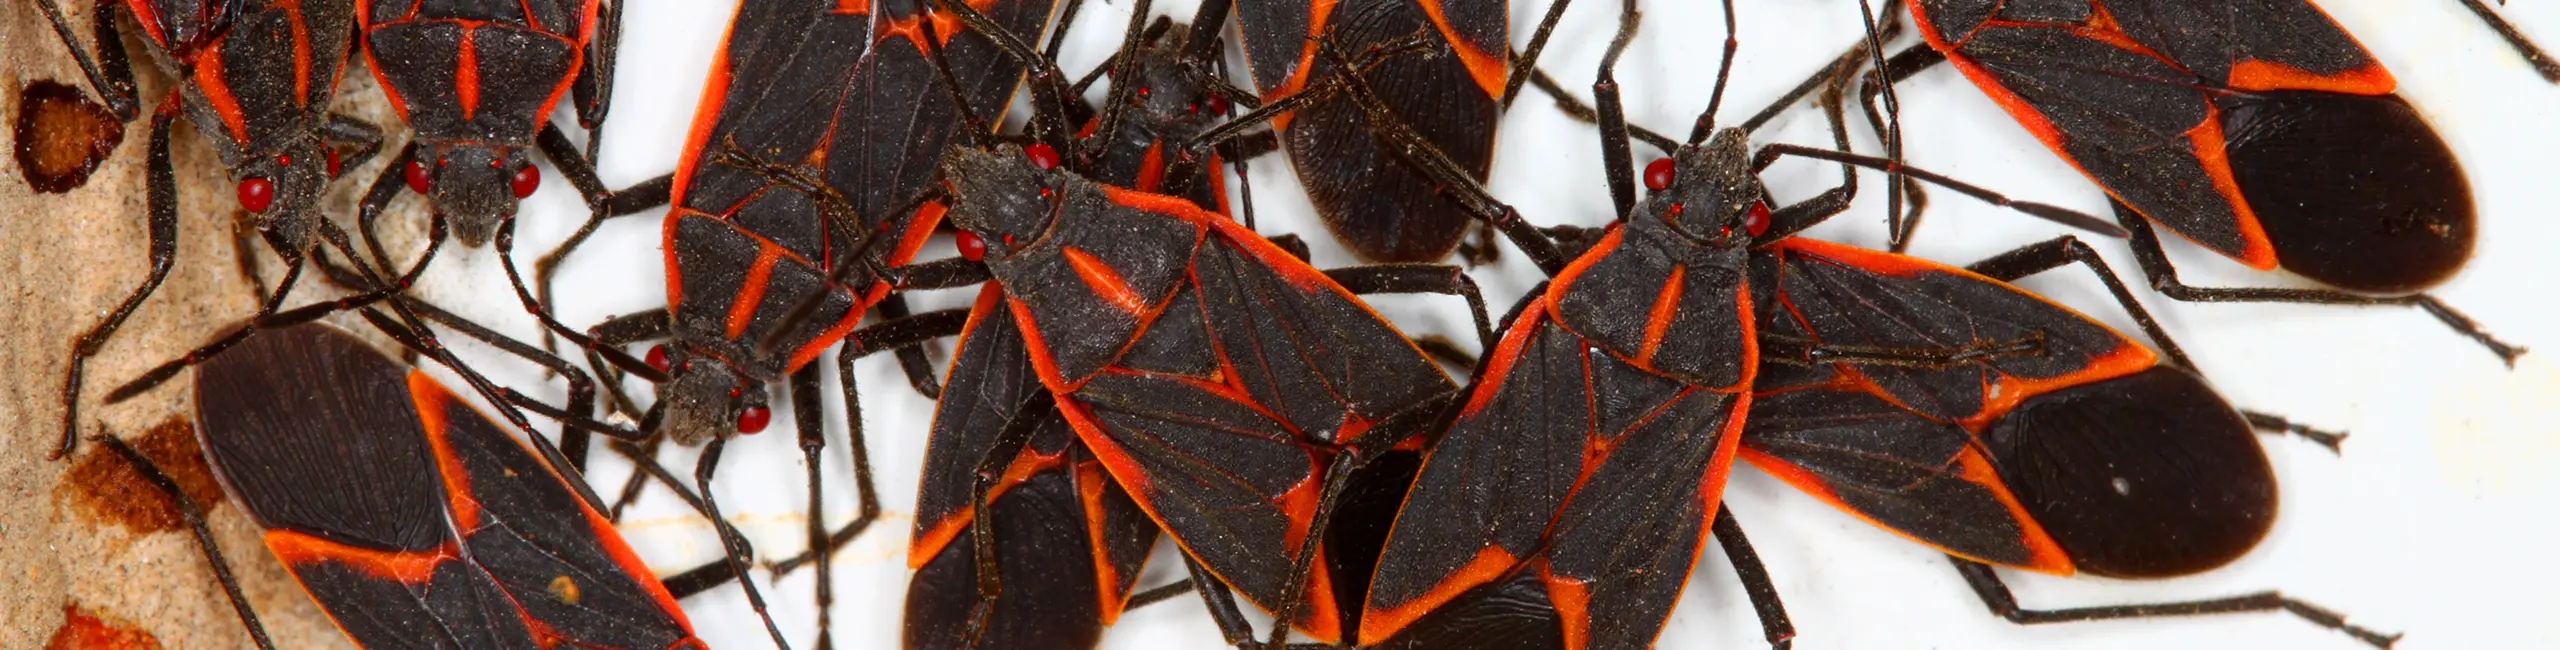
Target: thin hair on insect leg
x=1525 y=63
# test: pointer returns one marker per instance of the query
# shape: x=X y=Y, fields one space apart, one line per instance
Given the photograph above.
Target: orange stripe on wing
x=1490 y=562
x=431 y=400
x=1105 y=281
x=751 y=292
x=1491 y=70
x=410 y=569
x=1666 y=307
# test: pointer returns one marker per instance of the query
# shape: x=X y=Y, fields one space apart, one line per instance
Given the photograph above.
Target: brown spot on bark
x=62 y=135
x=103 y=487
x=82 y=630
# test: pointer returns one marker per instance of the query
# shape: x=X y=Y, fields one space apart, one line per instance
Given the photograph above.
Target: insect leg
x=736 y=545
x=1755 y=580
x=1995 y=594
x=2541 y=61
x=194 y=514
x=1418 y=278
x=162 y=208
x=108 y=74
x=2163 y=275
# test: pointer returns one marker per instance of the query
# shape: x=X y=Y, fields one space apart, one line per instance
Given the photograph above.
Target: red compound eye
x=971 y=247
x=658 y=357
x=1658 y=175
x=417 y=177
x=257 y=194
x=1042 y=155
x=1757 y=220
x=1217 y=104
x=526 y=179
x=333 y=163
x=753 y=419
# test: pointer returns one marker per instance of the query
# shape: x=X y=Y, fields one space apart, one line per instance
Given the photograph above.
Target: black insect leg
x=1158 y=594
x=108 y=74
x=1995 y=594
x=810 y=418
x=915 y=360
x=1221 y=604
x=699 y=579
x=1410 y=147
x=734 y=543
x=2164 y=278
x=593 y=89
x=2052 y=253
x=506 y=243
x=162 y=207
x=1419 y=278
x=1000 y=453
x=602 y=203
x=1884 y=121
x=194 y=514
x=894 y=334
x=1616 y=161
x=2541 y=61
x=366 y=137
x=1755 y=580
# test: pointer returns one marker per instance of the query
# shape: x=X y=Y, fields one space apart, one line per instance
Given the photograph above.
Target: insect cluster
x=1144 y=398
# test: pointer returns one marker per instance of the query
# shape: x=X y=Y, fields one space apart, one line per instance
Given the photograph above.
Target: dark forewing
x=522 y=56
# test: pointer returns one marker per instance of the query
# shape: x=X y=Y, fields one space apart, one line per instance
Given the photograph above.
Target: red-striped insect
x=1568 y=501
x=1456 y=90
x=255 y=78
x=801 y=176
x=410 y=517
x=2261 y=131
x=1065 y=544
x=478 y=80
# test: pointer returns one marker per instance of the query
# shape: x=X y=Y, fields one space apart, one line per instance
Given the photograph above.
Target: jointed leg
x=735 y=544
x=810 y=416
x=194 y=515
x=1995 y=594
x=2164 y=278
x=163 y=228
x=108 y=74
x=1418 y=278
x=1755 y=580
x=2541 y=61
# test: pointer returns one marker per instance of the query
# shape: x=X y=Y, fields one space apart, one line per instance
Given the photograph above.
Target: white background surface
x=2438 y=521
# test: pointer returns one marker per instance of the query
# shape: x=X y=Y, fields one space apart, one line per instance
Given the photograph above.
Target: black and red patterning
x=2257 y=128
x=477 y=79
x=411 y=518
x=1450 y=91
x=2089 y=455
x=821 y=122
x=1215 y=376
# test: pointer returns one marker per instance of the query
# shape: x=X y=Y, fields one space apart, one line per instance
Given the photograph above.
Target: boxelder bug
x=1062 y=544
x=1383 y=211
x=801 y=161
x=255 y=77
x=1568 y=501
x=410 y=517
x=2261 y=131
x=478 y=81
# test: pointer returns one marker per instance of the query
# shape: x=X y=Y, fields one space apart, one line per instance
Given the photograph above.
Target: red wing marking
x=404 y=568
x=1489 y=564
x=2006 y=392
x=751 y=292
x=1666 y=307
x=1091 y=486
x=2256 y=75
x=1105 y=282
x=2044 y=555
x=1491 y=70
x=1151 y=169
x=301 y=52
x=209 y=79
x=1572 y=599
x=466 y=74
x=2210 y=149
x=431 y=400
